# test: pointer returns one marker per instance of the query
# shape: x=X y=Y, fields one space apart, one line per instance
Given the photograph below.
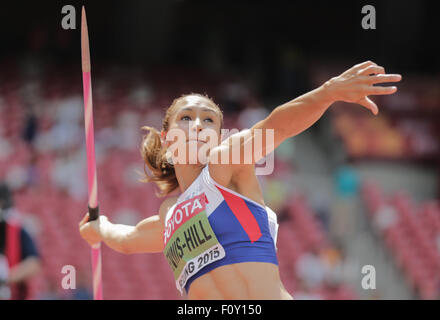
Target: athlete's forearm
x=145 y=237
x=295 y=116
x=115 y=236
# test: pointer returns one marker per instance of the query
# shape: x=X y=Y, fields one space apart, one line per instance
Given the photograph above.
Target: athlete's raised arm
x=145 y=237
x=295 y=116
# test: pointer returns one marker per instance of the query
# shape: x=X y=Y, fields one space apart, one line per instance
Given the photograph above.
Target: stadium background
x=351 y=191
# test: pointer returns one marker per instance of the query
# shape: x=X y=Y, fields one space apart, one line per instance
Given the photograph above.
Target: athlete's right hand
x=91 y=230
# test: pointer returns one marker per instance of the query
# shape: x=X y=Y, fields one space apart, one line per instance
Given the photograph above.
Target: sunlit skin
x=249 y=280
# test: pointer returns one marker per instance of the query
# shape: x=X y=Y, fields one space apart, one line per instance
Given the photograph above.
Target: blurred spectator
x=303 y=293
x=19 y=258
x=66 y=133
x=385 y=217
x=341 y=268
x=30 y=130
x=5 y=292
x=19 y=176
x=82 y=291
x=320 y=202
x=128 y=130
x=32 y=171
x=312 y=269
x=252 y=114
x=286 y=152
x=68 y=173
x=342 y=221
x=346 y=182
x=51 y=292
x=275 y=194
x=331 y=255
x=387 y=137
x=405 y=100
x=153 y=118
x=142 y=95
x=16 y=177
x=232 y=96
x=5 y=147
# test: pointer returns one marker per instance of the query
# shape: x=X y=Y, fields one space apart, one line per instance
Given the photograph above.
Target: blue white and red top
x=245 y=230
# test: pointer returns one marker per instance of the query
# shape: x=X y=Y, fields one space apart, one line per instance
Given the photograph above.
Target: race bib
x=190 y=242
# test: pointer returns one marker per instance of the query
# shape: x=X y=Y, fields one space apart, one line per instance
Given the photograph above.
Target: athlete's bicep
x=147 y=236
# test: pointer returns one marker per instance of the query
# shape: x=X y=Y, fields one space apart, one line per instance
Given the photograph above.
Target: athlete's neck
x=186 y=174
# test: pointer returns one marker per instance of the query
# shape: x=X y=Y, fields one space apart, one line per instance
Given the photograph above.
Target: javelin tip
x=85 y=51
x=83 y=14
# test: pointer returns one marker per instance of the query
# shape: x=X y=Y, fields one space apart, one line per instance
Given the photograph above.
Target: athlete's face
x=197 y=124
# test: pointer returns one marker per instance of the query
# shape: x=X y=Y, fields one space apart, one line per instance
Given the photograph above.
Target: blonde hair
x=154 y=153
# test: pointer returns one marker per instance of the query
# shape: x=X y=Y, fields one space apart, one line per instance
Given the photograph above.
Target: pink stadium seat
x=412 y=242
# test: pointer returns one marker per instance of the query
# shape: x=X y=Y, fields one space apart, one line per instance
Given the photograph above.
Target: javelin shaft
x=91 y=162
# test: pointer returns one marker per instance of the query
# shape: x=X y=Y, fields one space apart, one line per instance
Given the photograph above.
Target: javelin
x=90 y=145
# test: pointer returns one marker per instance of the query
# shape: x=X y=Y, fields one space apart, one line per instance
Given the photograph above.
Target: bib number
x=190 y=242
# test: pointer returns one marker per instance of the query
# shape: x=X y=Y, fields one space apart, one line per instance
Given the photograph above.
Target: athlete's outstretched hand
x=357 y=83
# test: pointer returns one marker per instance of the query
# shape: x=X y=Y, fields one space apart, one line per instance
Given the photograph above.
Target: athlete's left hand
x=357 y=83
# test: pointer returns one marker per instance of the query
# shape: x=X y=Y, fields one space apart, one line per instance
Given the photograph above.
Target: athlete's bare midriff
x=240 y=281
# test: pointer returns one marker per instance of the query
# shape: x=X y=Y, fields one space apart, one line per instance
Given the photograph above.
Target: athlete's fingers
x=367 y=103
x=372 y=90
x=383 y=78
x=84 y=220
x=363 y=65
x=372 y=69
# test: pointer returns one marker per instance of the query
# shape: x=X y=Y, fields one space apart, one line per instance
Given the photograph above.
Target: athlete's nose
x=197 y=125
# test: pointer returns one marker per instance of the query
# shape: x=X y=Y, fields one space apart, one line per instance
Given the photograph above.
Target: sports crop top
x=212 y=226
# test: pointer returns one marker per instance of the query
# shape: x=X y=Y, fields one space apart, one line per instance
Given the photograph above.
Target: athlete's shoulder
x=167 y=204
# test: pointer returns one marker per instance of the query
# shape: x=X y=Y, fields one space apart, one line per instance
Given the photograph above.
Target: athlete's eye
x=186 y=118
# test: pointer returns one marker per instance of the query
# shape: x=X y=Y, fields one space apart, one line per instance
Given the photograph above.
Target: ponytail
x=154 y=156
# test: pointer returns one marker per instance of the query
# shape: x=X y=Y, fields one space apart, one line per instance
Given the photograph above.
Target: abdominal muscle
x=240 y=281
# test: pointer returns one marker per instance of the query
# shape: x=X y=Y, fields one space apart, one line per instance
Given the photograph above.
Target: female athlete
x=217 y=235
